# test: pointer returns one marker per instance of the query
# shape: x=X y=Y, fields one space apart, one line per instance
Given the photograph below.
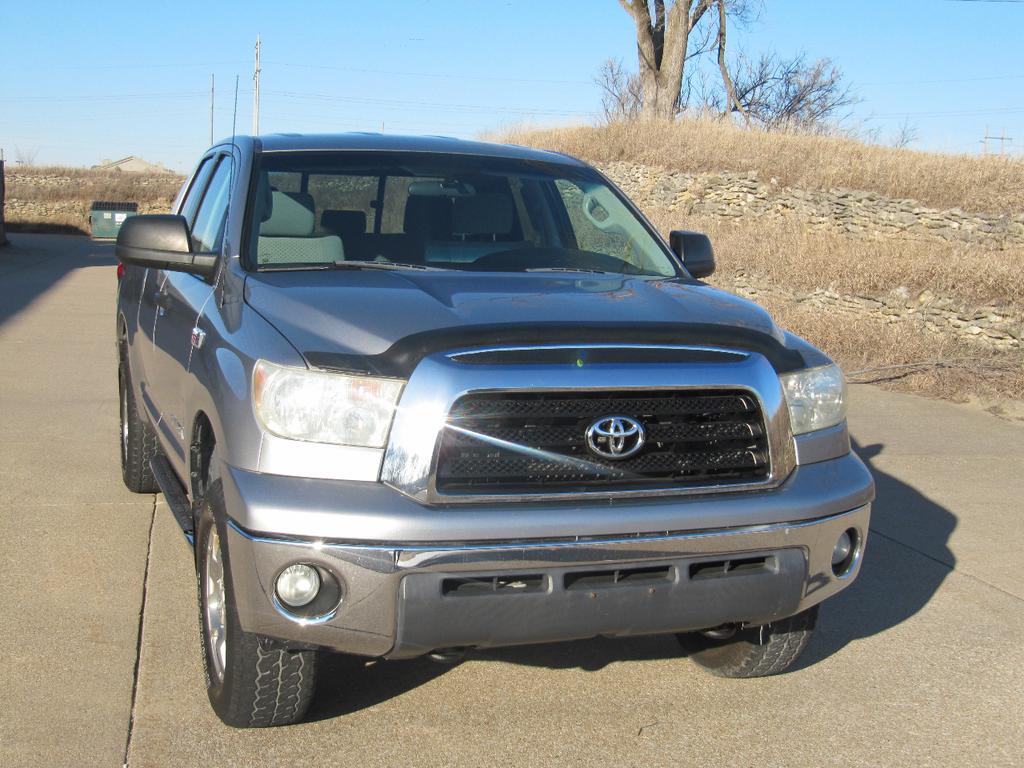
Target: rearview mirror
x=441 y=188
x=694 y=248
x=161 y=241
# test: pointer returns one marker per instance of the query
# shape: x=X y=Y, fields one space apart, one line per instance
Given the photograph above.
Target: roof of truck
x=381 y=142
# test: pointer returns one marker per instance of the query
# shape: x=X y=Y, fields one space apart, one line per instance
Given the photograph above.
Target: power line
x=405 y=104
x=951 y=113
x=489 y=78
x=107 y=97
x=950 y=80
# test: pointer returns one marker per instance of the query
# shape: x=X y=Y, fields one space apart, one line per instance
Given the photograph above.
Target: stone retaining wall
x=734 y=195
x=990 y=326
x=744 y=195
x=71 y=212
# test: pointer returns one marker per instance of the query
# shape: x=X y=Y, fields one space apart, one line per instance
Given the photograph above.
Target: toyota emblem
x=615 y=437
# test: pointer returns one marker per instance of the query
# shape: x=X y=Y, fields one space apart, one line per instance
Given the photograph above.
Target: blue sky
x=78 y=84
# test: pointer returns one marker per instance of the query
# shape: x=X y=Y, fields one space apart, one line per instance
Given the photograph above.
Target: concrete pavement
x=920 y=662
x=75 y=542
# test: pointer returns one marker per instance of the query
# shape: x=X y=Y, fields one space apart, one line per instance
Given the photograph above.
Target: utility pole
x=1002 y=138
x=211 y=108
x=256 y=92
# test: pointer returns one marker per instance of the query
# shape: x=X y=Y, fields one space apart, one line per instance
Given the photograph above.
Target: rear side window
x=347 y=194
x=208 y=229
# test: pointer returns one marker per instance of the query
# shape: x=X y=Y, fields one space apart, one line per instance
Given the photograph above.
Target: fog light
x=845 y=552
x=298 y=585
x=842 y=549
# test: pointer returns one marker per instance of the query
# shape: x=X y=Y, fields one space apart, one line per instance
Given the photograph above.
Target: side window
x=396 y=197
x=588 y=236
x=195 y=192
x=336 y=193
x=208 y=229
x=286 y=181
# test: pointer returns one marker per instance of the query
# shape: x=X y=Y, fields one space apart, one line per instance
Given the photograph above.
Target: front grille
x=535 y=442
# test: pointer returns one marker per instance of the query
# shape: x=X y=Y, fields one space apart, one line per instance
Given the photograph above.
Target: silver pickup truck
x=411 y=396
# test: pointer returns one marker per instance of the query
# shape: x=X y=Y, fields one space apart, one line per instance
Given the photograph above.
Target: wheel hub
x=214 y=606
x=124 y=419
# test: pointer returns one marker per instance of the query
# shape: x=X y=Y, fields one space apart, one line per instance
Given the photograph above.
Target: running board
x=174 y=494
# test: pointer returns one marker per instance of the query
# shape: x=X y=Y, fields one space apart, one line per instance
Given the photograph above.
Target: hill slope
x=981 y=184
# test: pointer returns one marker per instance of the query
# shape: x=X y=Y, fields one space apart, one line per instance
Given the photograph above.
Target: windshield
x=439 y=211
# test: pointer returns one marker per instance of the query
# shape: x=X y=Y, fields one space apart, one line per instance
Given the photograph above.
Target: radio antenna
x=231 y=177
x=234 y=148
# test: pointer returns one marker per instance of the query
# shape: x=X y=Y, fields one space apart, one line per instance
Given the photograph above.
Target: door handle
x=162 y=299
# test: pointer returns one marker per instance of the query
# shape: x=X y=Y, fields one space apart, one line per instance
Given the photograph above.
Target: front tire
x=138 y=439
x=252 y=681
x=758 y=651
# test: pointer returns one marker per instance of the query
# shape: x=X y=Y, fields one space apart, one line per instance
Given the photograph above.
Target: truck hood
x=359 y=315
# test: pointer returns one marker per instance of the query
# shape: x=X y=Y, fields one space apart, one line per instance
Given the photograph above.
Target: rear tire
x=756 y=651
x=252 y=681
x=138 y=439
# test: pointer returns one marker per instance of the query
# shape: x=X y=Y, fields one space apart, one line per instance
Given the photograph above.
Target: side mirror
x=694 y=248
x=161 y=241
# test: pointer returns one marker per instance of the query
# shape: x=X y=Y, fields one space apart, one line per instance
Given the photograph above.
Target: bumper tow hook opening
x=723 y=632
x=448 y=656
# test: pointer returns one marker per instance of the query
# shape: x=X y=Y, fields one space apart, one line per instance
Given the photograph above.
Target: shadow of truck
x=891 y=588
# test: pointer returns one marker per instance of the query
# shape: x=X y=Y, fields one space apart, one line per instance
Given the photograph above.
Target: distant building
x=131 y=164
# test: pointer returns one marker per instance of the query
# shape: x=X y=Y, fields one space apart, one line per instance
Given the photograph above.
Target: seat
x=481 y=224
x=286 y=236
x=488 y=216
x=428 y=218
x=344 y=223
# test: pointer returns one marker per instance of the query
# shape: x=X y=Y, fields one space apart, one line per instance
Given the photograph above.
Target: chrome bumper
x=398 y=601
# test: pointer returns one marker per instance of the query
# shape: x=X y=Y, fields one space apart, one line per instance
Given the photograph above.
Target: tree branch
x=702 y=7
x=731 y=102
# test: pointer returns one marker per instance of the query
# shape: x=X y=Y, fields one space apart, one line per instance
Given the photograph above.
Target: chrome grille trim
x=537 y=442
x=439 y=380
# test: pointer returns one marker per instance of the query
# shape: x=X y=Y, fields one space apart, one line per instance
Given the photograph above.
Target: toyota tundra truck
x=413 y=396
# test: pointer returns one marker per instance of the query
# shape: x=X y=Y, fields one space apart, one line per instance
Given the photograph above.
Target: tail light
x=120 y=270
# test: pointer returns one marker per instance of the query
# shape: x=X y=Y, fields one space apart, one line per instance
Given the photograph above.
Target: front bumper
x=408 y=596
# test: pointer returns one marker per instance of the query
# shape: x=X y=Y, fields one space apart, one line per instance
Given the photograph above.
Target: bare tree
x=789 y=94
x=621 y=94
x=770 y=91
x=906 y=134
x=731 y=102
x=661 y=46
x=25 y=156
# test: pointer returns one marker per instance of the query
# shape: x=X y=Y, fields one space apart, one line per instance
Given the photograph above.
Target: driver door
x=179 y=300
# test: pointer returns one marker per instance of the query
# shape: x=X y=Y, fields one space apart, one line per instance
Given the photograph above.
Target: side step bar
x=174 y=495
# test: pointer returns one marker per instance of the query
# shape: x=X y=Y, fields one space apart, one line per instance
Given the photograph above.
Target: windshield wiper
x=572 y=269
x=381 y=265
x=327 y=265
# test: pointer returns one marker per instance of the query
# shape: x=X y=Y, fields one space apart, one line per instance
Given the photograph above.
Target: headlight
x=324 y=407
x=816 y=398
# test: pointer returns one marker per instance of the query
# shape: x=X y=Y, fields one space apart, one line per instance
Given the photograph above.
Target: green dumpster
x=106 y=217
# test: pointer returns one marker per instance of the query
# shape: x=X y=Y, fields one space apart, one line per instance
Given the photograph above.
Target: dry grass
x=791 y=255
x=58 y=198
x=795 y=258
x=873 y=351
x=786 y=254
x=84 y=184
x=977 y=184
